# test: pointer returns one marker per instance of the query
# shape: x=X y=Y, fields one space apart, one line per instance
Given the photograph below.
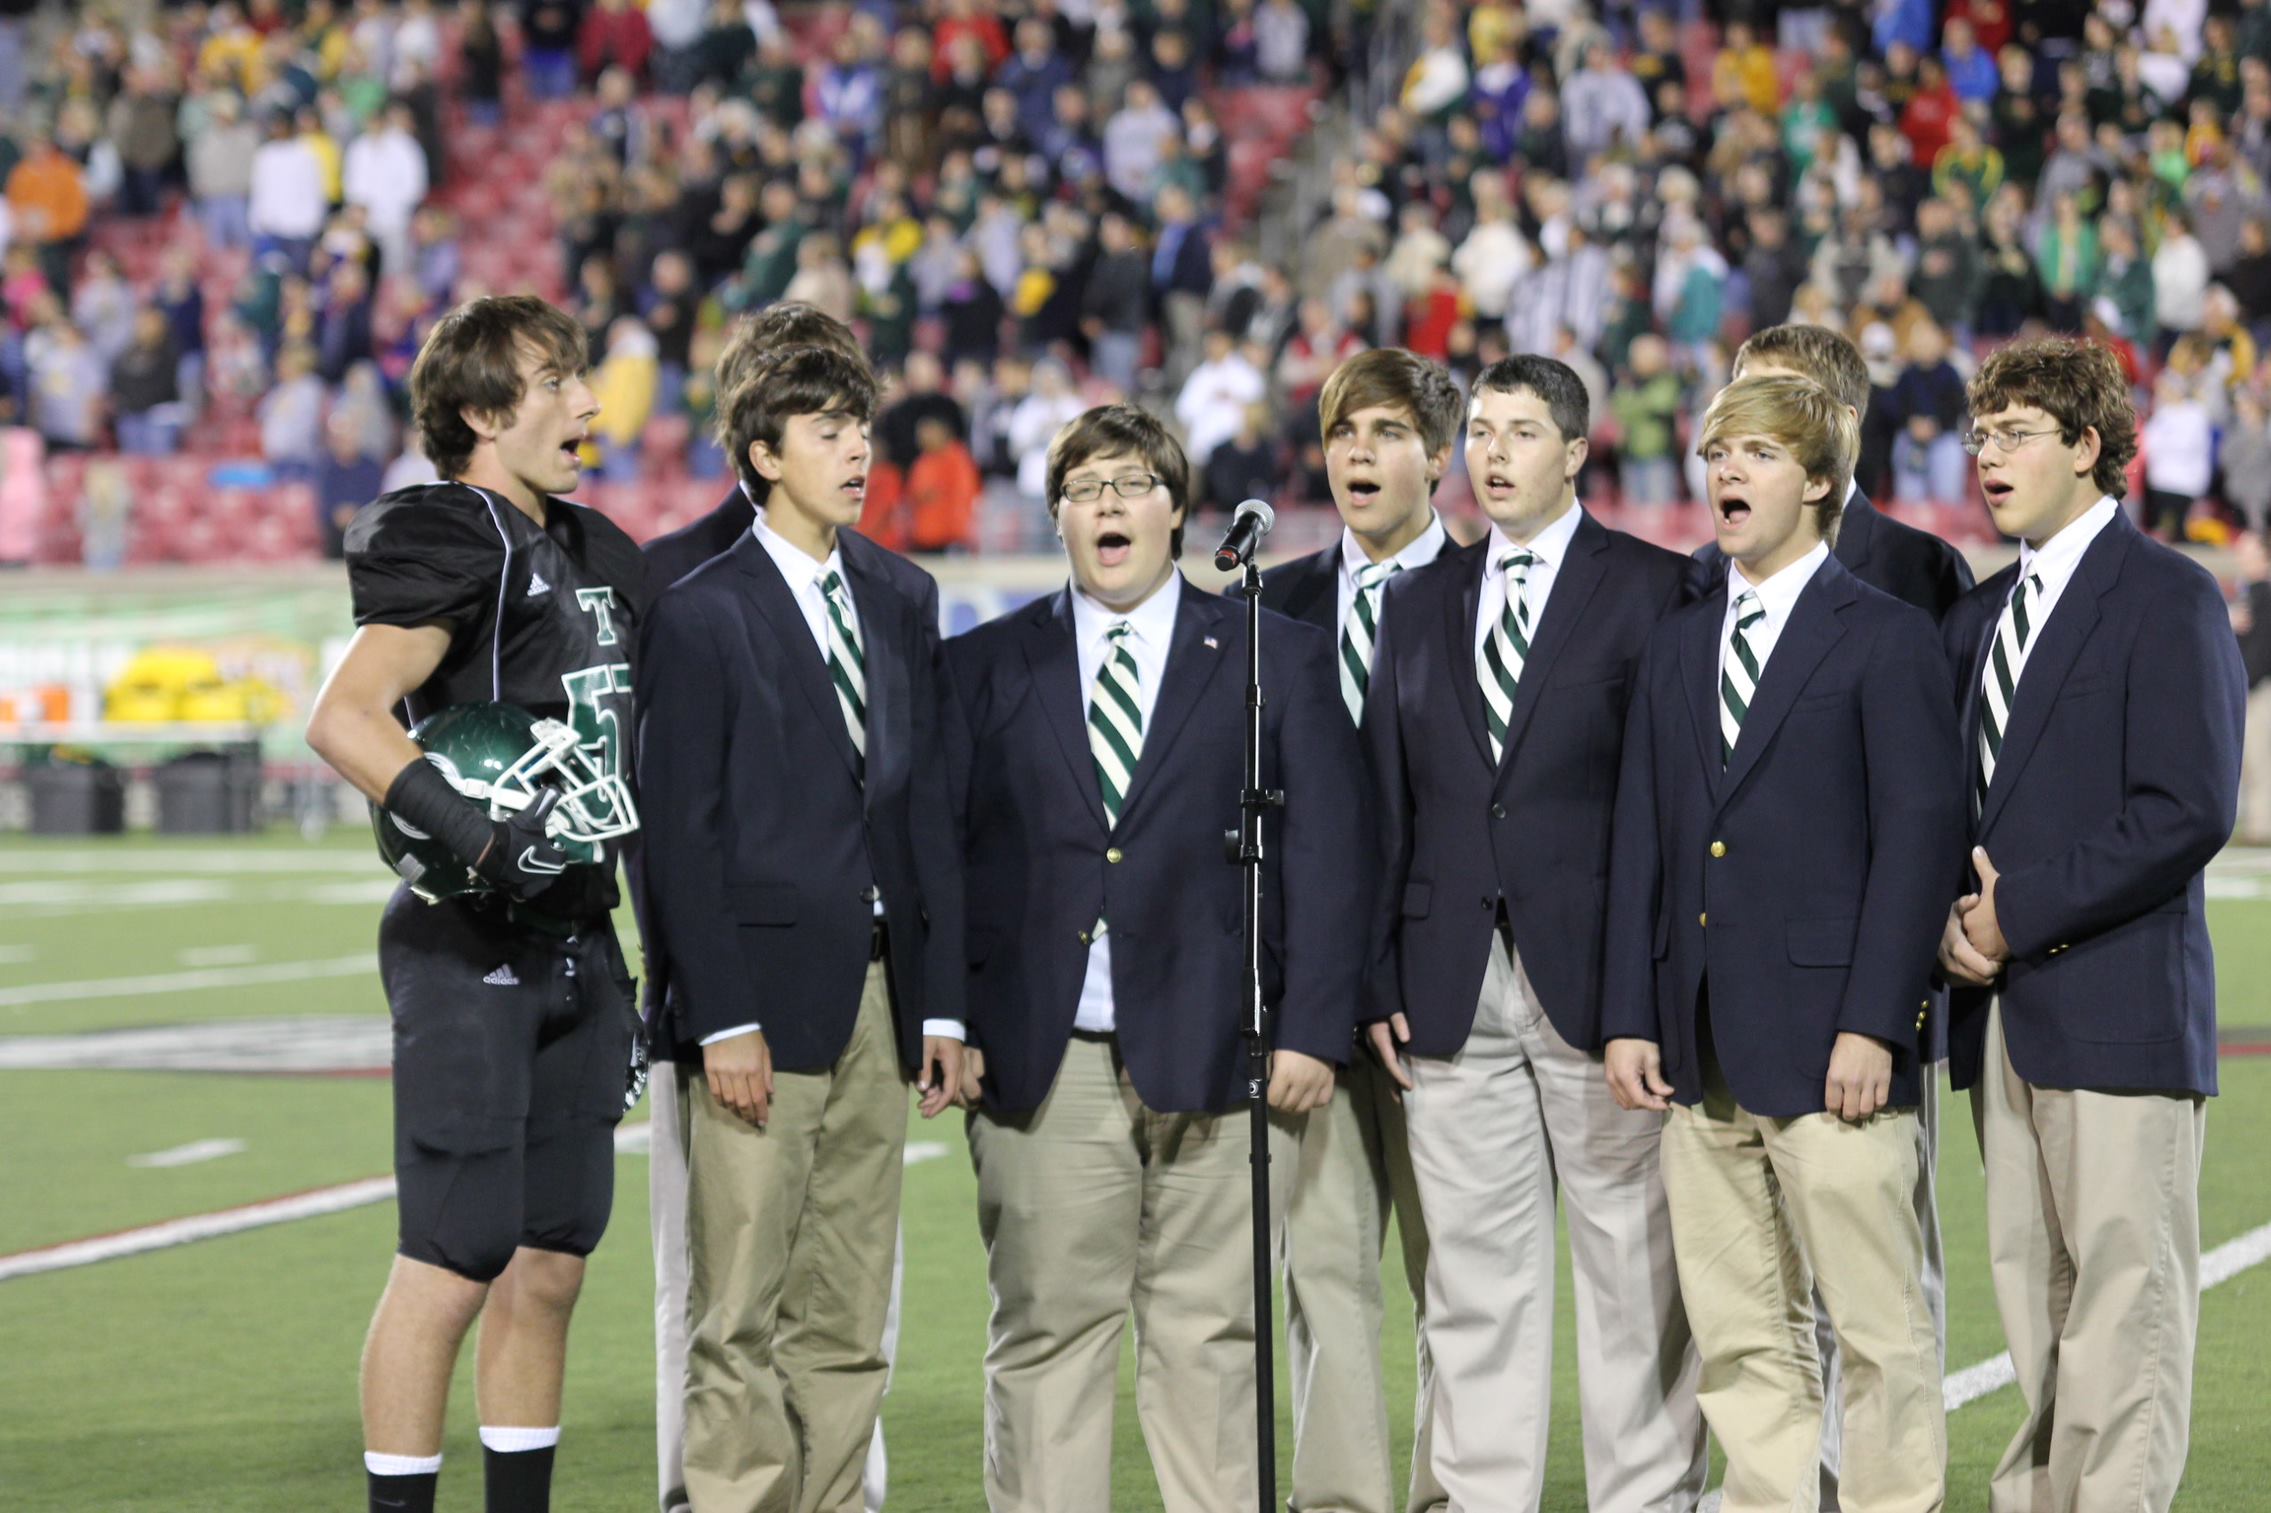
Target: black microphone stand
x=1254 y=801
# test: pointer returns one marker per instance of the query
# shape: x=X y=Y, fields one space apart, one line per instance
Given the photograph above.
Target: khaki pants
x=2093 y=1229
x=1763 y=1211
x=1927 y=1204
x=1094 y=1208
x=666 y=1223
x=1354 y=1168
x=1494 y=1130
x=790 y=1235
x=2255 y=769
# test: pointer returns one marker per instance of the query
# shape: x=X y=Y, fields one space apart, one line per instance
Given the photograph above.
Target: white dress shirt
x=1151 y=630
x=1778 y=596
x=2055 y=560
x=1421 y=550
x=1550 y=547
x=804 y=576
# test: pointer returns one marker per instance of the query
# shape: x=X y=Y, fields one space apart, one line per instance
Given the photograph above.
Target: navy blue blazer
x=1805 y=885
x=1915 y=567
x=1308 y=589
x=2118 y=782
x=763 y=846
x=672 y=557
x=1041 y=865
x=1461 y=837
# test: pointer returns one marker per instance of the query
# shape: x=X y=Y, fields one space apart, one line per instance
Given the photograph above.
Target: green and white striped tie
x=1738 y=674
x=1999 y=680
x=1505 y=649
x=1115 y=721
x=1361 y=633
x=847 y=664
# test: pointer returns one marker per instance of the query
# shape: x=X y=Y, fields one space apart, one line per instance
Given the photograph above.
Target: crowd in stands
x=1027 y=205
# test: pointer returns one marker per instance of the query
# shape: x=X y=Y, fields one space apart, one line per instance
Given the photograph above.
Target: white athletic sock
x=509 y=1441
x=400 y=1465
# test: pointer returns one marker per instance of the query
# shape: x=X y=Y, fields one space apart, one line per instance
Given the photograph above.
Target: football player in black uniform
x=512 y=1007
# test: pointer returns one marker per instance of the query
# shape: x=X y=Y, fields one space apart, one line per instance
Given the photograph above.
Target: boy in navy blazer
x=1389 y=419
x=668 y=559
x=1497 y=706
x=2102 y=701
x=1915 y=567
x=1096 y=741
x=803 y=881
x=1786 y=811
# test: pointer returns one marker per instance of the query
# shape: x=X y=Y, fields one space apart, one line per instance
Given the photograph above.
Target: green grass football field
x=220 y=1374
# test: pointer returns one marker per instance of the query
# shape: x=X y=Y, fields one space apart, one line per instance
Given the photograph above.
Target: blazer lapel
x=1459 y=611
x=1975 y=660
x=1813 y=629
x=1573 y=585
x=2051 y=658
x=1315 y=595
x=1699 y=675
x=880 y=618
x=808 y=667
x=1052 y=657
x=1192 y=657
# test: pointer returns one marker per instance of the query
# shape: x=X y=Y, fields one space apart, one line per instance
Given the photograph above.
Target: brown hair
x=1122 y=428
x=1552 y=380
x=793 y=324
x=1812 y=422
x=2076 y=383
x=1823 y=355
x=782 y=384
x=1403 y=380
x=471 y=361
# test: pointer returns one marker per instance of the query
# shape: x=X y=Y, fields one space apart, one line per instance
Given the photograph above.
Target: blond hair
x=1812 y=423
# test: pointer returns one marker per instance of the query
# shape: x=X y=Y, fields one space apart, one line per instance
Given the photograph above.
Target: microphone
x=1247 y=528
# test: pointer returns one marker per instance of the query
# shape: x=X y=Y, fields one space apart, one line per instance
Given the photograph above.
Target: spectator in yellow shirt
x=1745 y=72
x=327 y=153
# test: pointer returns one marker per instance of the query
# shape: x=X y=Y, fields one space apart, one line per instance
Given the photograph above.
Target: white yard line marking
x=2218 y=1266
x=219 y=956
x=1963 y=1388
x=49 y=897
x=332 y=1045
x=631 y=1139
x=227 y=1221
x=188 y=1155
x=254 y=862
x=189 y=981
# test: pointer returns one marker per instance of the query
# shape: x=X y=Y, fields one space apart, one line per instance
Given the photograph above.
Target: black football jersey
x=543 y=617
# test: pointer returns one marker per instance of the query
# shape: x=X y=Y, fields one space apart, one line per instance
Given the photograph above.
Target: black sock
x=519 y=1481
x=403 y=1494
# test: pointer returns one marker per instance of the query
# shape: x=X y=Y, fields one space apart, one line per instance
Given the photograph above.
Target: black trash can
x=208 y=793
x=76 y=798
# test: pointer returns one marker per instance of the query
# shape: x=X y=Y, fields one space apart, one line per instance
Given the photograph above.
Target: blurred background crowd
x=227 y=227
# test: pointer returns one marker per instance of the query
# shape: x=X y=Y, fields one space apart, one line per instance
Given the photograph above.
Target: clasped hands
x=1972 y=947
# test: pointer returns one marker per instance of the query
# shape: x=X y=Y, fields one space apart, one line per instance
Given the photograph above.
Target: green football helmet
x=502 y=758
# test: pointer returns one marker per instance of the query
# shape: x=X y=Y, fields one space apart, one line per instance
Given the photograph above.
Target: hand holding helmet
x=503 y=801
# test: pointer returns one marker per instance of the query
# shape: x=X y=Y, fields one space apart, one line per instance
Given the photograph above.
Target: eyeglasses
x=1127 y=486
x=2006 y=441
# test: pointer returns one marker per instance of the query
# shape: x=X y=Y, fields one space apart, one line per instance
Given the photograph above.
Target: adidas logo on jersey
x=537 y=585
x=502 y=978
